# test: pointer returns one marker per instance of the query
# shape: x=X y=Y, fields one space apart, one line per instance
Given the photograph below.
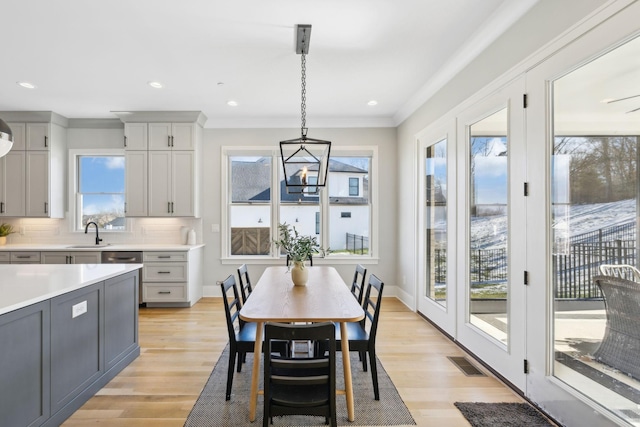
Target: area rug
x=212 y=410
x=501 y=414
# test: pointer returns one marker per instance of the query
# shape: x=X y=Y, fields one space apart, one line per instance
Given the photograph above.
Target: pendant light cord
x=303 y=106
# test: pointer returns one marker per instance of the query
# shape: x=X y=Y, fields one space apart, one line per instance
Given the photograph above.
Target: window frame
x=348 y=151
x=74 y=207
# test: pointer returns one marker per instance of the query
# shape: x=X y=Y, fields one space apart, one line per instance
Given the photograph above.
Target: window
x=100 y=191
x=354 y=186
x=257 y=201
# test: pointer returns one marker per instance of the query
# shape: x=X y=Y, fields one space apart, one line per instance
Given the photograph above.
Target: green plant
x=297 y=246
x=6 y=229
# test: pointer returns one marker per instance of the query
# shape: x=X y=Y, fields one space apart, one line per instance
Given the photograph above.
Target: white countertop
x=23 y=285
x=69 y=247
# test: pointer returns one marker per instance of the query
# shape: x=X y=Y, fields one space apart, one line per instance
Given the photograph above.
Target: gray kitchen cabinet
x=172 y=278
x=76 y=343
x=136 y=187
x=172 y=183
x=135 y=136
x=5 y=257
x=27 y=257
x=78 y=257
x=13 y=184
x=172 y=136
x=24 y=366
x=120 y=313
x=38 y=136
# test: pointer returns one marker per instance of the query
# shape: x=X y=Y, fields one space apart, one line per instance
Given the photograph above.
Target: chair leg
x=241 y=359
x=374 y=372
x=363 y=357
x=232 y=362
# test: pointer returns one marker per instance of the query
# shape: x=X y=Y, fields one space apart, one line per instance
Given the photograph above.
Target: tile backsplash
x=139 y=231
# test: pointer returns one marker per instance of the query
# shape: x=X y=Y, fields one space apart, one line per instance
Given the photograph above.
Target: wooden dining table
x=275 y=298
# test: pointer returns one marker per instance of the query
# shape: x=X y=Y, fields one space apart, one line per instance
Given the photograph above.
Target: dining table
x=325 y=297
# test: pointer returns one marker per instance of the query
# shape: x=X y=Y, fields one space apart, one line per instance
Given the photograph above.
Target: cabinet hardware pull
x=164 y=256
x=46 y=207
x=23 y=256
x=171 y=207
x=121 y=259
x=164 y=292
x=172 y=140
x=1 y=207
x=168 y=140
x=125 y=141
x=164 y=272
x=168 y=207
x=45 y=141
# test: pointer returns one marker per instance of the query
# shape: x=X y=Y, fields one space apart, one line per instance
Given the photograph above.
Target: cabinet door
x=25 y=373
x=135 y=136
x=159 y=183
x=37 y=136
x=183 y=183
x=19 y=136
x=159 y=136
x=136 y=183
x=54 y=258
x=85 y=257
x=183 y=136
x=12 y=184
x=37 y=181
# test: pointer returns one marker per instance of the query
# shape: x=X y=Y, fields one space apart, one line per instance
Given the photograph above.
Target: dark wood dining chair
x=245 y=282
x=361 y=340
x=300 y=386
x=357 y=285
x=310 y=260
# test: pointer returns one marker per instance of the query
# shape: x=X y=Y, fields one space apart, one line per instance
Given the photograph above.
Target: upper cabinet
x=163 y=163
x=32 y=174
x=172 y=136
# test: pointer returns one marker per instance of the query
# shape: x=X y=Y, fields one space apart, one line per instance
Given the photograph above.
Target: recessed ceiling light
x=372 y=103
x=27 y=85
x=220 y=83
x=156 y=85
x=232 y=103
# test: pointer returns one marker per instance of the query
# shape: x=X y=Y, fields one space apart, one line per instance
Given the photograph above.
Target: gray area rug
x=501 y=414
x=212 y=410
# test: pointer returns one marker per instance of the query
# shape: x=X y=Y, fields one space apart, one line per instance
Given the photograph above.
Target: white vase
x=299 y=274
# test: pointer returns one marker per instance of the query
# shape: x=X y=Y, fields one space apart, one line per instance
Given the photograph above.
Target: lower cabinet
x=58 y=353
x=172 y=278
x=24 y=366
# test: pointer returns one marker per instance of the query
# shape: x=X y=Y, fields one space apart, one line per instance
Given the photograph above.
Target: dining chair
x=310 y=260
x=300 y=386
x=357 y=285
x=361 y=340
x=245 y=282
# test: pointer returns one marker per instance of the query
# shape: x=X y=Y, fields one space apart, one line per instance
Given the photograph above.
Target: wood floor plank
x=180 y=347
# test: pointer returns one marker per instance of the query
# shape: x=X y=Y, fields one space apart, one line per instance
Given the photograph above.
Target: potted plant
x=5 y=230
x=299 y=248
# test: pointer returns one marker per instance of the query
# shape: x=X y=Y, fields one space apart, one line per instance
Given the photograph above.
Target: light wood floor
x=179 y=348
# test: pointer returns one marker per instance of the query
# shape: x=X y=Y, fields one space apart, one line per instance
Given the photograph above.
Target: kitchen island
x=65 y=331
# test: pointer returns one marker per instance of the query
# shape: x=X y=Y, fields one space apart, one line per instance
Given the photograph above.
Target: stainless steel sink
x=88 y=246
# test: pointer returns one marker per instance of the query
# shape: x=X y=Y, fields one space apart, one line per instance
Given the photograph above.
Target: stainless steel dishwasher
x=125 y=257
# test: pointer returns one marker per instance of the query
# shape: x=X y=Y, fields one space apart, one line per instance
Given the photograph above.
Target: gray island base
x=76 y=329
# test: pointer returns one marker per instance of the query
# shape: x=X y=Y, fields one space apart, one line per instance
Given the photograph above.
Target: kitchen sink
x=88 y=246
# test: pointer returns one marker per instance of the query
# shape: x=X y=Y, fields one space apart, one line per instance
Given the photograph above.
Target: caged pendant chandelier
x=305 y=161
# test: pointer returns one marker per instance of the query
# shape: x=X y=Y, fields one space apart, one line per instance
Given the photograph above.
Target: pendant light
x=6 y=138
x=305 y=160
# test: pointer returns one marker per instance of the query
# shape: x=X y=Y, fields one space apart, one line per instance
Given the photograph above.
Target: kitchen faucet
x=86 y=229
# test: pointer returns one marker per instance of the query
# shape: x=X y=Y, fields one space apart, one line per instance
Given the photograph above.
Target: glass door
x=491 y=207
x=436 y=294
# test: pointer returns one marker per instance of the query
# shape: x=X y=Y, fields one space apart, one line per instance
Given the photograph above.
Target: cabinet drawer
x=158 y=292
x=5 y=256
x=165 y=256
x=161 y=272
x=21 y=257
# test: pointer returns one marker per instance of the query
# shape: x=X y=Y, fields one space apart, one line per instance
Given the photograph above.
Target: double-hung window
x=257 y=201
x=98 y=188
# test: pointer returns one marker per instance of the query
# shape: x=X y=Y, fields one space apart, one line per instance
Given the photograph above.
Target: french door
x=490 y=232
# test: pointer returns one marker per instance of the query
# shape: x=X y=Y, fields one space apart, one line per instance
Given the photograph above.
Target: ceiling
x=88 y=59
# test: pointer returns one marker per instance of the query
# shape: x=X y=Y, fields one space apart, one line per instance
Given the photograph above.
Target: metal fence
x=357 y=244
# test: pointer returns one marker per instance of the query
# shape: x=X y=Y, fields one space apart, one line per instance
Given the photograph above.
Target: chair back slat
x=245 y=282
x=357 y=285
x=231 y=307
x=371 y=306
